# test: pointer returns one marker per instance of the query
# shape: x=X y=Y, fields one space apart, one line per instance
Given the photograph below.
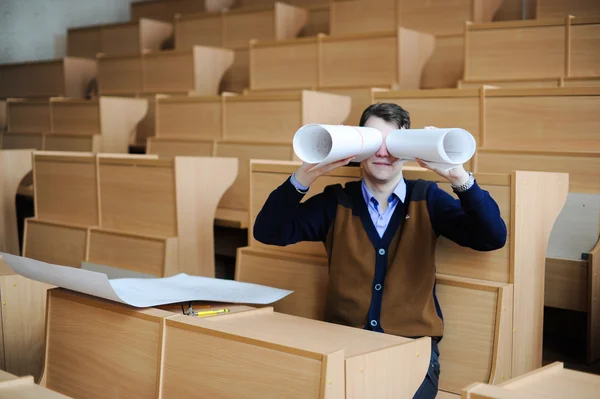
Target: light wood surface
x=438 y=17
x=105 y=124
x=199 y=69
x=326 y=62
x=22 y=323
x=552 y=381
x=118 y=39
x=236 y=28
x=165 y=10
x=446 y=65
x=2 y=115
x=503 y=50
x=566 y=284
x=564 y=8
x=14 y=166
x=67 y=77
x=13 y=387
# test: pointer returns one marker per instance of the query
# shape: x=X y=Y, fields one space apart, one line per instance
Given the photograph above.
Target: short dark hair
x=388 y=112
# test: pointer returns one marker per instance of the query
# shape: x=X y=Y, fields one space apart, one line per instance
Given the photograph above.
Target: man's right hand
x=306 y=176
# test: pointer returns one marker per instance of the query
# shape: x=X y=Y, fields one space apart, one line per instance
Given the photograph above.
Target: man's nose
x=382 y=152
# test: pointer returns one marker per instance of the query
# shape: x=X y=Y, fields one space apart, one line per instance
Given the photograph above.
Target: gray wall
x=36 y=29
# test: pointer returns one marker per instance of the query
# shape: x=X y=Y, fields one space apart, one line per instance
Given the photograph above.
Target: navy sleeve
x=472 y=221
x=284 y=220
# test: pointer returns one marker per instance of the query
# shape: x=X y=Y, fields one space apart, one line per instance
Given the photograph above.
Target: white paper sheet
x=145 y=292
x=325 y=144
x=440 y=148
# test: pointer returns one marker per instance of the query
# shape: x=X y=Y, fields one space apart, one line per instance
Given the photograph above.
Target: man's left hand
x=457 y=176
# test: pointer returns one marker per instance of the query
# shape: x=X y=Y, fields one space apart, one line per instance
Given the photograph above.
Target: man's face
x=382 y=167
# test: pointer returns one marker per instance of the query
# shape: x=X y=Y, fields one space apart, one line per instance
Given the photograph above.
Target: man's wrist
x=463 y=183
x=301 y=188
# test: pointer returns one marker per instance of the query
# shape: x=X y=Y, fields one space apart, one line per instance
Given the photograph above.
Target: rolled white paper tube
x=444 y=148
x=325 y=144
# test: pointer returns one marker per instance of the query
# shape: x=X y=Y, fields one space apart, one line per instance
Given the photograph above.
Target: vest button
x=377 y=287
x=381 y=251
x=374 y=323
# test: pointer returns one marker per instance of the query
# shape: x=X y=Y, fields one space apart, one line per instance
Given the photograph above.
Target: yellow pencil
x=212 y=312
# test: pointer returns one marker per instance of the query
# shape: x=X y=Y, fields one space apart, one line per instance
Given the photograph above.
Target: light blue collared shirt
x=381 y=220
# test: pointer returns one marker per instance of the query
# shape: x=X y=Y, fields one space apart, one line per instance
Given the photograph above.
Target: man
x=380 y=234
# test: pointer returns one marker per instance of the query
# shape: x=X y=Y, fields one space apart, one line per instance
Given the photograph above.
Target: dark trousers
x=429 y=386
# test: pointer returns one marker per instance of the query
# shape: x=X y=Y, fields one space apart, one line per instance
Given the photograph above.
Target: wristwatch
x=465 y=186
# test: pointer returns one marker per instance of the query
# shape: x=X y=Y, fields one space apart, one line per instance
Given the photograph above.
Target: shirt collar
x=399 y=191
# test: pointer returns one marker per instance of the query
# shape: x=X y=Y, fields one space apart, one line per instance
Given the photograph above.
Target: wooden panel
x=23 y=324
x=594 y=306
x=466 y=352
x=361 y=98
x=318 y=21
x=512 y=10
x=204 y=31
x=76 y=117
x=256 y=370
x=446 y=65
x=515 y=83
x=135 y=253
x=284 y=67
x=168 y=72
x=170 y=148
x=582 y=82
x=306 y=276
x=33 y=79
x=78 y=331
x=56 y=244
x=164 y=10
x=28 y=117
x=241 y=27
x=566 y=284
x=2 y=115
x=15 y=168
x=187 y=118
x=66 y=191
x=585 y=42
x=440 y=17
x=262 y=121
x=350 y=17
x=507 y=53
x=138 y=199
x=237 y=197
x=121 y=39
x=119 y=75
x=84 y=42
x=342 y=67
x=583 y=170
x=441 y=112
x=17 y=141
x=563 y=8
x=542 y=122
x=55 y=142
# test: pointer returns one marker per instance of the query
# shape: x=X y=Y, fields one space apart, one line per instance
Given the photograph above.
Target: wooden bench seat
x=198 y=70
x=549 y=382
x=63 y=77
x=105 y=124
x=277 y=354
x=537 y=49
x=24 y=387
x=326 y=62
x=109 y=210
x=496 y=282
x=118 y=39
x=526 y=83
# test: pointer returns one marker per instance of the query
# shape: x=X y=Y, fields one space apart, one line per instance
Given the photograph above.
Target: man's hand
x=457 y=176
x=306 y=176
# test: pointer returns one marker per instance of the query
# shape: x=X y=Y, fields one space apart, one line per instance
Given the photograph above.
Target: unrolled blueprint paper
x=145 y=292
x=325 y=144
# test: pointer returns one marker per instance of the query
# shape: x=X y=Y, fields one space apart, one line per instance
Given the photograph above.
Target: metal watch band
x=467 y=185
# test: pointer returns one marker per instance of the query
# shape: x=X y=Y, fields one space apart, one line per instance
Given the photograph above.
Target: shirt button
x=374 y=323
x=381 y=251
x=380 y=217
x=377 y=287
